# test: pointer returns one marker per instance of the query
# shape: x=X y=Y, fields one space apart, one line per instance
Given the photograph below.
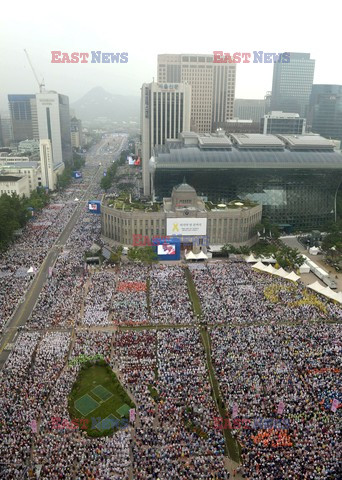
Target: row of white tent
x=252 y=259
x=196 y=256
x=278 y=272
x=326 y=291
x=316 y=286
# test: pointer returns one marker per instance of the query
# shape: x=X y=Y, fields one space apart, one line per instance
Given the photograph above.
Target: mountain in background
x=99 y=103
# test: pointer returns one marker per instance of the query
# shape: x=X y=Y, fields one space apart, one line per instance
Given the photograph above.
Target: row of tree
x=64 y=179
x=16 y=211
x=286 y=257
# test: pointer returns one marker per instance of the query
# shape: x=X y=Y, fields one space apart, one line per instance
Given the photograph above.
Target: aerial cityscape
x=170 y=241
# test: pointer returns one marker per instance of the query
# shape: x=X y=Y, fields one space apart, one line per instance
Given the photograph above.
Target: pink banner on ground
x=235 y=410
x=33 y=425
x=334 y=405
x=132 y=415
x=281 y=407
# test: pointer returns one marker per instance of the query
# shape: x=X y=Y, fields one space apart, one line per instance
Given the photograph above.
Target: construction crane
x=41 y=84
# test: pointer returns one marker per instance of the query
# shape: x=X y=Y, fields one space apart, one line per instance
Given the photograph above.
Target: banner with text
x=186 y=226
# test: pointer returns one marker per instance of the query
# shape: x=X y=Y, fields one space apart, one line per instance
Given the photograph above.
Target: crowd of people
x=174 y=435
x=274 y=355
x=129 y=306
x=262 y=372
x=168 y=296
x=232 y=292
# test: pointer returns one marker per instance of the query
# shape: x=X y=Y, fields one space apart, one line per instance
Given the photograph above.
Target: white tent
x=270 y=269
x=314 y=250
x=280 y=272
x=251 y=259
x=268 y=260
x=30 y=270
x=329 y=293
x=190 y=256
x=317 y=287
x=293 y=277
x=259 y=266
x=201 y=256
x=337 y=296
x=304 y=268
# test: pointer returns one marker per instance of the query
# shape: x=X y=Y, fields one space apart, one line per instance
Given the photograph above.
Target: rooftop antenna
x=41 y=84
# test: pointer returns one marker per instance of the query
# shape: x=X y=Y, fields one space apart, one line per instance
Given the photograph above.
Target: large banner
x=186 y=226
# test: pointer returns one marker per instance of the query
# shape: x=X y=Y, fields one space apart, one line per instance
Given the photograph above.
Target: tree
x=289 y=257
x=143 y=254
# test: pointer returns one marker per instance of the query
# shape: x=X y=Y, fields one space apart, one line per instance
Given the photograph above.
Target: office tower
x=325 y=115
x=212 y=87
x=22 y=110
x=292 y=83
x=282 y=123
x=1 y=138
x=6 y=130
x=268 y=99
x=54 y=124
x=47 y=164
x=76 y=132
x=249 y=109
x=165 y=112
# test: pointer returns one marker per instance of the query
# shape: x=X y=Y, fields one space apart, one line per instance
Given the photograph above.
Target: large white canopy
x=259 y=266
x=293 y=277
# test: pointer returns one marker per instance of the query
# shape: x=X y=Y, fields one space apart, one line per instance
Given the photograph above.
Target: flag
x=281 y=407
x=235 y=410
x=132 y=415
x=33 y=425
x=335 y=404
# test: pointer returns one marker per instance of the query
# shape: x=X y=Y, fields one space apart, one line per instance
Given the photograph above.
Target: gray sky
x=144 y=29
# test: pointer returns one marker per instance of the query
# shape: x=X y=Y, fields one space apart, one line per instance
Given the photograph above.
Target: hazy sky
x=146 y=28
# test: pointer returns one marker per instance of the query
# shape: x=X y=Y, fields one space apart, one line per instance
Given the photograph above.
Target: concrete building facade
x=292 y=84
x=54 y=125
x=282 y=123
x=233 y=223
x=165 y=113
x=212 y=86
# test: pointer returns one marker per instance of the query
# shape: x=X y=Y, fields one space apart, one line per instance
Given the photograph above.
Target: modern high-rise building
x=325 y=115
x=282 y=123
x=292 y=84
x=212 y=87
x=165 y=112
x=249 y=109
x=6 y=130
x=22 y=110
x=54 y=124
x=76 y=132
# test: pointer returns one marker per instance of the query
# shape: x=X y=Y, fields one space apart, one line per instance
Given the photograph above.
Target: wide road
x=28 y=302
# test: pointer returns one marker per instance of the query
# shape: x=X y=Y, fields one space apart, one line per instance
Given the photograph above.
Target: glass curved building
x=295 y=178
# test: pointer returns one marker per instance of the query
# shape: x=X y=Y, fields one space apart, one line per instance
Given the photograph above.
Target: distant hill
x=100 y=103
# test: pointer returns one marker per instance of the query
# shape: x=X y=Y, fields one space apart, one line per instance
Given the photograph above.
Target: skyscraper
x=325 y=115
x=22 y=110
x=165 y=112
x=292 y=83
x=54 y=124
x=212 y=86
x=249 y=109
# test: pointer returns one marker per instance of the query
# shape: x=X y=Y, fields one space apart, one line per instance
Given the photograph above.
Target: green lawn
x=99 y=383
x=196 y=304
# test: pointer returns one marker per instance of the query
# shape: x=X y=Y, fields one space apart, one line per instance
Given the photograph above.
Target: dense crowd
x=260 y=368
x=174 y=437
x=272 y=354
x=232 y=292
x=168 y=295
